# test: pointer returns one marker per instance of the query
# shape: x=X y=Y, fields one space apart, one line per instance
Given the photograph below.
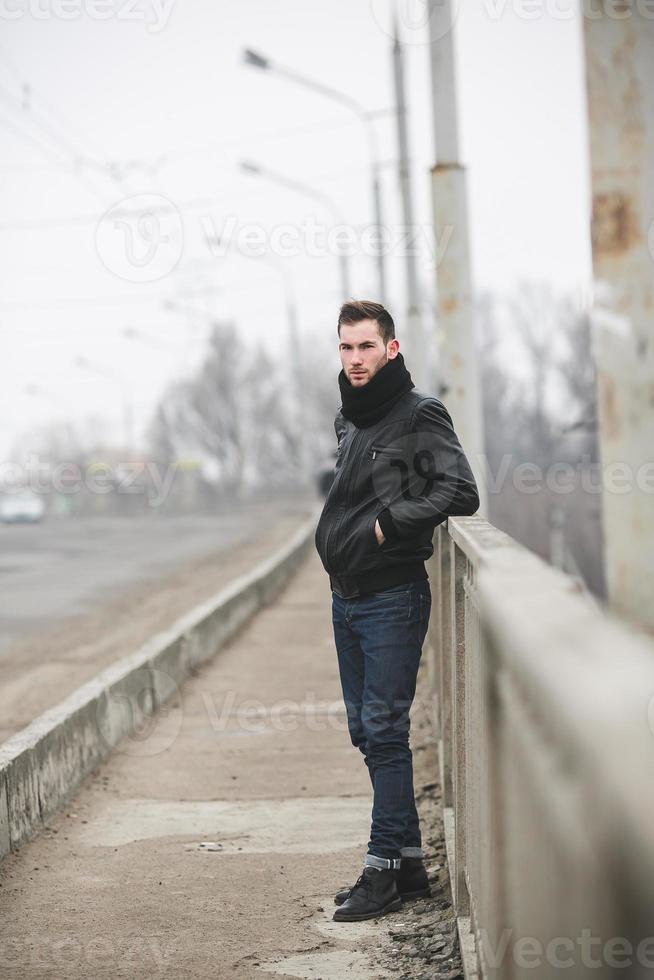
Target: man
x=400 y=471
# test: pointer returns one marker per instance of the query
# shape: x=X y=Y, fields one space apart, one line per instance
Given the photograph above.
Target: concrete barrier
x=546 y=713
x=42 y=765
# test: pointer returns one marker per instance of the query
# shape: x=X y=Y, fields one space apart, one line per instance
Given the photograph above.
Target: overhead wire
x=59 y=145
x=73 y=150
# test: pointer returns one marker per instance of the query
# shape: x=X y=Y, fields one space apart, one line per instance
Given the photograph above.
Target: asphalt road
x=62 y=568
x=76 y=596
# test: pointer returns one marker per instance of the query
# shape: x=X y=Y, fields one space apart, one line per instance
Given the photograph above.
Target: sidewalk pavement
x=211 y=844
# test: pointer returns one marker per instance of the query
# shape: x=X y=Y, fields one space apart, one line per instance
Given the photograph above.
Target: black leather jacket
x=409 y=472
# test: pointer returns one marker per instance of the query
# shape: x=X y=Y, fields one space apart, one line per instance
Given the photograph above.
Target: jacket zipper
x=356 y=467
x=332 y=533
x=378 y=450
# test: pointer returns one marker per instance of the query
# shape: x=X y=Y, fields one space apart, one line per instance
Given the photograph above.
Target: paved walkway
x=211 y=845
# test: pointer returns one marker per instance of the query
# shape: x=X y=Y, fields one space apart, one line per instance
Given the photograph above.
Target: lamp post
x=256 y=60
x=292 y=320
x=419 y=356
x=36 y=391
x=128 y=412
x=290 y=299
x=201 y=318
x=458 y=368
x=133 y=333
x=295 y=185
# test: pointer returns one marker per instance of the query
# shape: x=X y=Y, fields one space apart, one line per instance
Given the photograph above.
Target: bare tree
x=241 y=414
x=538 y=385
x=271 y=440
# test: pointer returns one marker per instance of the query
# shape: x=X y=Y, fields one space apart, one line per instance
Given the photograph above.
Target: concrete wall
x=549 y=755
x=41 y=766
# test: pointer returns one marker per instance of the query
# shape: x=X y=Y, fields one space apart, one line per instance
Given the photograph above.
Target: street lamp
x=36 y=391
x=128 y=413
x=256 y=60
x=295 y=185
x=204 y=314
x=287 y=285
x=290 y=301
x=133 y=333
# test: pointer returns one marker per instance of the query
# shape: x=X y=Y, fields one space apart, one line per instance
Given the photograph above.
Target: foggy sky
x=165 y=97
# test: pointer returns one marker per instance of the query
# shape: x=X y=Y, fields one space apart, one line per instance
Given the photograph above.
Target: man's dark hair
x=363 y=309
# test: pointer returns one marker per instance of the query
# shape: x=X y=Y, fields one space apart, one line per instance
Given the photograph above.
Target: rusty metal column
x=619 y=42
x=458 y=366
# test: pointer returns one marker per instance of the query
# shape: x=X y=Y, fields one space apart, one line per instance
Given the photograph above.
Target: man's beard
x=378 y=366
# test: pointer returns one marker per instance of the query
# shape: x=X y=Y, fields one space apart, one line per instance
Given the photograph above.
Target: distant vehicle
x=22 y=507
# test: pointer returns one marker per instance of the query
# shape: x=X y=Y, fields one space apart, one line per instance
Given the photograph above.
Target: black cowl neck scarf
x=366 y=404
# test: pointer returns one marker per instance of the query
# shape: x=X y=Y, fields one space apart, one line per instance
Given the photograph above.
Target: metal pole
x=295 y=360
x=379 y=224
x=458 y=368
x=257 y=60
x=419 y=361
x=620 y=87
x=346 y=291
x=295 y=185
x=126 y=397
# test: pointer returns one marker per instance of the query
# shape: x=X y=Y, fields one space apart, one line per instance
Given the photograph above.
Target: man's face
x=363 y=352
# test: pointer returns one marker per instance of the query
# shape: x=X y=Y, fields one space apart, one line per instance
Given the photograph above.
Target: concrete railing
x=545 y=713
x=43 y=764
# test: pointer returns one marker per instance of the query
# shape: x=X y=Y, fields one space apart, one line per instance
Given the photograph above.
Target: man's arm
x=430 y=477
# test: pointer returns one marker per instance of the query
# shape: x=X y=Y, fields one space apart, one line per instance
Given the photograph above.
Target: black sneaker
x=375 y=893
x=411 y=880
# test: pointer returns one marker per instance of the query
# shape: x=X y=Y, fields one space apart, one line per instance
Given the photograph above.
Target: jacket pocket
x=357 y=546
x=388 y=452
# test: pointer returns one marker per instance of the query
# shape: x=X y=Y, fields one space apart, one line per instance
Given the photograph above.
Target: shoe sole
x=392 y=907
x=422 y=893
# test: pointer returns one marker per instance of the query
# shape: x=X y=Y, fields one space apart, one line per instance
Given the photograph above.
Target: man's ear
x=393 y=348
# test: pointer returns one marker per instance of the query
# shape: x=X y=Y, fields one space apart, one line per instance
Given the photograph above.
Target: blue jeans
x=379 y=641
